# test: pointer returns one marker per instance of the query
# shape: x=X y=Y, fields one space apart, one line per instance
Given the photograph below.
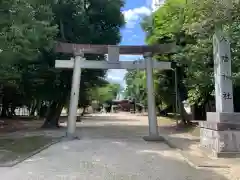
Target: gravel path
x=110 y=148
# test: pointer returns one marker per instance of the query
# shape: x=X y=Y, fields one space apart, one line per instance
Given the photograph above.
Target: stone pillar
x=72 y=117
x=152 y=118
x=221 y=132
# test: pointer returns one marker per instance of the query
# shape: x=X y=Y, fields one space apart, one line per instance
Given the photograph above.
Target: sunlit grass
x=164 y=121
x=171 y=121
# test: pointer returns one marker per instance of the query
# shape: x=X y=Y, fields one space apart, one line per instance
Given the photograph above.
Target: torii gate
x=79 y=62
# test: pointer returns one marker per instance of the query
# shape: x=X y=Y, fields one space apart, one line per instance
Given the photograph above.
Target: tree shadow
x=133 y=132
x=173 y=168
x=112 y=158
x=102 y=127
x=165 y=165
x=105 y=118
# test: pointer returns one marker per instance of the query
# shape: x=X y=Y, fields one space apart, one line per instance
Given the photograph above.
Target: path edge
x=186 y=159
x=22 y=159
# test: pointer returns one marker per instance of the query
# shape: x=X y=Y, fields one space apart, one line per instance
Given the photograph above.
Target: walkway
x=111 y=148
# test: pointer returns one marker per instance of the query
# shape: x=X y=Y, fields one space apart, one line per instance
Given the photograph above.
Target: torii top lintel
x=103 y=49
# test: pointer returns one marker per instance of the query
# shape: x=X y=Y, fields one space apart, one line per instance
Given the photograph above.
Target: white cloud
x=117 y=76
x=130 y=57
x=156 y=4
x=133 y=15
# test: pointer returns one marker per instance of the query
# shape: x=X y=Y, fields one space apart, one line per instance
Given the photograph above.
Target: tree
x=191 y=24
x=136 y=86
x=25 y=28
x=166 y=26
x=105 y=93
x=201 y=21
x=28 y=69
x=89 y=22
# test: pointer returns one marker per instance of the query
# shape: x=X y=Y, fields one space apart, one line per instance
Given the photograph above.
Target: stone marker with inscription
x=221 y=132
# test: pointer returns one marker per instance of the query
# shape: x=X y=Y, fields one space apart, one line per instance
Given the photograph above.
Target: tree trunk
x=200 y=113
x=83 y=112
x=38 y=109
x=54 y=112
x=4 y=112
x=13 y=110
x=159 y=110
x=57 y=114
x=34 y=107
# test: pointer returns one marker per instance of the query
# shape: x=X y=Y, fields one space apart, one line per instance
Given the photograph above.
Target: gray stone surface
x=223 y=117
x=220 y=126
x=110 y=148
x=221 y=134
x=220 y=141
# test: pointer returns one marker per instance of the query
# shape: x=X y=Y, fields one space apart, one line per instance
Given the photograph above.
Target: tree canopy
x=28 y=32
x=191 y=24
x=105 y=93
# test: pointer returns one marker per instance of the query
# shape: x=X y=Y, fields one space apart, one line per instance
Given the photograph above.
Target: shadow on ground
x=110 y=147
x=113 y=127
x=108 y=159
x=105 y=118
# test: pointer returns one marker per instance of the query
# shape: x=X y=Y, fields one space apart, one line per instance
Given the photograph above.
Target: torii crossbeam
x=104 y=49
x=113 y=51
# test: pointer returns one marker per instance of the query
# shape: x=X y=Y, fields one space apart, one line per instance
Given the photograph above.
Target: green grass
x=164 y=121
x=13 y=149
x=170 y=121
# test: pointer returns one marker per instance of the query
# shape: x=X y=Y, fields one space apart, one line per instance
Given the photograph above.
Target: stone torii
x=79 y=62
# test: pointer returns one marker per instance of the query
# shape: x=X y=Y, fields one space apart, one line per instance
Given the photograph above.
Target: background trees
x=191 y=24
x=105 y=93
x=28 y=31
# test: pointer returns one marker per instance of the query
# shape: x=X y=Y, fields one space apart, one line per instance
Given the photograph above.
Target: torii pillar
x=152 y=117
x=74 y=98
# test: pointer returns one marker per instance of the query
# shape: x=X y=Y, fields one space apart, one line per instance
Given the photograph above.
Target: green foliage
x=28 y=31
x=25 y=29
x=192 y=24
x=105 y=93
x=136 y=86
x=166 y=21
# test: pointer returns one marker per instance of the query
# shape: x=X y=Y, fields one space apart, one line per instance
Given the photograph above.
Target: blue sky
x=132 y=33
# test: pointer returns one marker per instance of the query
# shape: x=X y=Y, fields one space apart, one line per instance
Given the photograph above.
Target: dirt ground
x=21 y=124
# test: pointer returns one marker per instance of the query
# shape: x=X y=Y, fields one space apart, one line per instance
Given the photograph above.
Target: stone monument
x=221 y=132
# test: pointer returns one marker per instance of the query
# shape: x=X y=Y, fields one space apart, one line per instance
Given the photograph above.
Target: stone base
x=221 y=134
x=220 y=126
x=153 y=138
x=70 y=137
x=223 y=117
x=220 y=141
x=215 y=154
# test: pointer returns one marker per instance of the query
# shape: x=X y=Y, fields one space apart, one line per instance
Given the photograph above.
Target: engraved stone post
x=221 y=132
x=222 y=73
